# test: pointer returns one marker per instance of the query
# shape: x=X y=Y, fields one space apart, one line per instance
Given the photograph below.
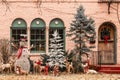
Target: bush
x=4 y=50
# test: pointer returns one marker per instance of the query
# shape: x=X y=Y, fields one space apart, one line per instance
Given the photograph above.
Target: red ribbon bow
x=106 y=39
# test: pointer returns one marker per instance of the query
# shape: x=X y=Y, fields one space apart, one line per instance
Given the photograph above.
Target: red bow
x=38 y=62
x=106 y=39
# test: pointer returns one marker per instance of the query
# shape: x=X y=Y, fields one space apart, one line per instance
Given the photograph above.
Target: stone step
x=110 y=71
x=109 y=68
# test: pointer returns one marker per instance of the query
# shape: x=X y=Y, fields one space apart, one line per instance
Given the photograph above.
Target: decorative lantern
x=19 y=22
x=56 y=22
x=37 y=22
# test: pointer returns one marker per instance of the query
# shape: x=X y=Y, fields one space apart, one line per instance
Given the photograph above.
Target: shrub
x=4 y=50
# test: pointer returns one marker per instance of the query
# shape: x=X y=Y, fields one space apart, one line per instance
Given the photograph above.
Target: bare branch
x=38 y=4
x=5 y=2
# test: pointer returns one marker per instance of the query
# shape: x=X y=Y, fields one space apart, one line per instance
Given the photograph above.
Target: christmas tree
x=56 y=51
x=82 y=32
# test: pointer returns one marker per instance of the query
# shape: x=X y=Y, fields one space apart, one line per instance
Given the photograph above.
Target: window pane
x=34 y=43
x=61 y=34
x=33 y=31
x=50 y=36
x=51 y=31
x=23 y=31
x=16 y=38
x=14 y=31
x=42 y=37
x=37 y=31
x=32 y=37
x=13 y=49
x=60 y=31
x=18 y=31
x=42 y=31
x=38 y=39
x=37 y=36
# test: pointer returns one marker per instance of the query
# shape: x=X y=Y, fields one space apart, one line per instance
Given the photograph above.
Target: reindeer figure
x=76 y=63
x=8 y=67
x=68 y=62
x=20 y=71
x=69 y=66
x=37 y=65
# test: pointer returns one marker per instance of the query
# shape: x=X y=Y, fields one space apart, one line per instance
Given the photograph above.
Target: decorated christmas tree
x=82 y=33
x=56 y=51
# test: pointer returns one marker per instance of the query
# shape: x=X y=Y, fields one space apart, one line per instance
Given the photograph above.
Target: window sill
x=32 y=52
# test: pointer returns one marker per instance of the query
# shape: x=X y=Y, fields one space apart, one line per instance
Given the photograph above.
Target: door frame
x=115 y=43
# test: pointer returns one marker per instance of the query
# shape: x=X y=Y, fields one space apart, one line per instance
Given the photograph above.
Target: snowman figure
x=22 y=61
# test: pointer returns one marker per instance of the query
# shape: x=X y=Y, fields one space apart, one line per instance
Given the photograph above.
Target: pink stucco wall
x=63 y=10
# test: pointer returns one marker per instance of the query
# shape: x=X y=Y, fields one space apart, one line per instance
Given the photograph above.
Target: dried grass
x=61 y=77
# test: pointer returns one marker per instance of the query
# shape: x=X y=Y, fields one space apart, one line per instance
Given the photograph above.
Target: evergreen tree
x=82 y=31
x=56 y=55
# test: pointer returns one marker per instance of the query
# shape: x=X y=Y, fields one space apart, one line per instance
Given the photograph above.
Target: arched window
x=37 y=35
x=57 y=24
x=106 y=29
x=18 y=27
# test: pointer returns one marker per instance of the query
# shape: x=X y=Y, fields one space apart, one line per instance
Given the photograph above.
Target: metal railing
x=94 y=58
x=101 y=57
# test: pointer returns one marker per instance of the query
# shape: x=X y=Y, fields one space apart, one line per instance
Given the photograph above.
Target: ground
x=61 y=77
